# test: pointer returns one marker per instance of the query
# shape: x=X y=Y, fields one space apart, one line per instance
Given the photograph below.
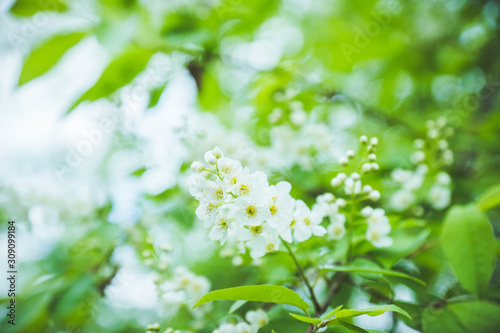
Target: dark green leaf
x=477 y=316
x=469 y=245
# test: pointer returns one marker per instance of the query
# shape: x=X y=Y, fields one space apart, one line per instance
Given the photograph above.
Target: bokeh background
x=104 y=105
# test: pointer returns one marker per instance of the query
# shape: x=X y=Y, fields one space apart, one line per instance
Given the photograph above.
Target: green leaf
x=47 y=55
x=477 y=316
x=236 y=305
x=119 y=73
x=372 y=311
x=440 y=321
x=469 y=245
x=366 y=270
x=490 y=199
x=155 y=94
x=339 y=329
x=331 y=313
x=305 y=319
x=263 y=293
x=352 y=328
x=31 y=7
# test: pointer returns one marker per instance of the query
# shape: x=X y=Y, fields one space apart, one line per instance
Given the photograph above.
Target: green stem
x=317 y=306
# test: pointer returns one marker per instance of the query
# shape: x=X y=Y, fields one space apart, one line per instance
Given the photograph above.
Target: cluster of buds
x=435 y=145
x=378 y=226
x=369 y=159
x=431 y=154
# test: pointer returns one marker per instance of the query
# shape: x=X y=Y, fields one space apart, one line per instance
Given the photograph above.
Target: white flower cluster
x=242 y=208
x=431 y=152
x=378 y=226
x=254 y=321
x=184 y=288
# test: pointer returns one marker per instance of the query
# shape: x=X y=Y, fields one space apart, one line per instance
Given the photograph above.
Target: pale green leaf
x=263 y=293
x=372 y=311
x=47 y=55
x=331 y=313
x=366 y=270
x=119 y=73
x=305 y=319
x=469 y=245
x=31 y=7
x=490 y=199
x=236 y=305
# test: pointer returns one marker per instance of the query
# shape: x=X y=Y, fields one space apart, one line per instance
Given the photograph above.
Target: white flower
x=400 y=175
x=206 y=211
x=223 y=222
x=378 y=218
x=367 y=211
x=229 y=170
x=418 y=156
x=245 y=328
x=307 y=222
x=197 y=183
x=266 y=241
x=226 y=328
x=280 y=204
x=257 y=318
x=378 y=227
x=251 y=211
x=337 y=227
x=401 y=200
x=439 y=196
x=298 y=117
x=378 y=238
x=251 y=184
x=443 y=178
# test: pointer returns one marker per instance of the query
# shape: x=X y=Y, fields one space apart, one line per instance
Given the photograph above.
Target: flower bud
x=418 y=143
x=335 y=182
x=217 y=152
x=197 y=167
x=374 y=141
x=340 y=202
x=375 y=167
x=372 y=157
x=366 y=167
x=355 y=176
x=367 y=189
x=350 y=154
x=342 y=176
x=374 y=195
x=343 y=161
x=363 y=139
